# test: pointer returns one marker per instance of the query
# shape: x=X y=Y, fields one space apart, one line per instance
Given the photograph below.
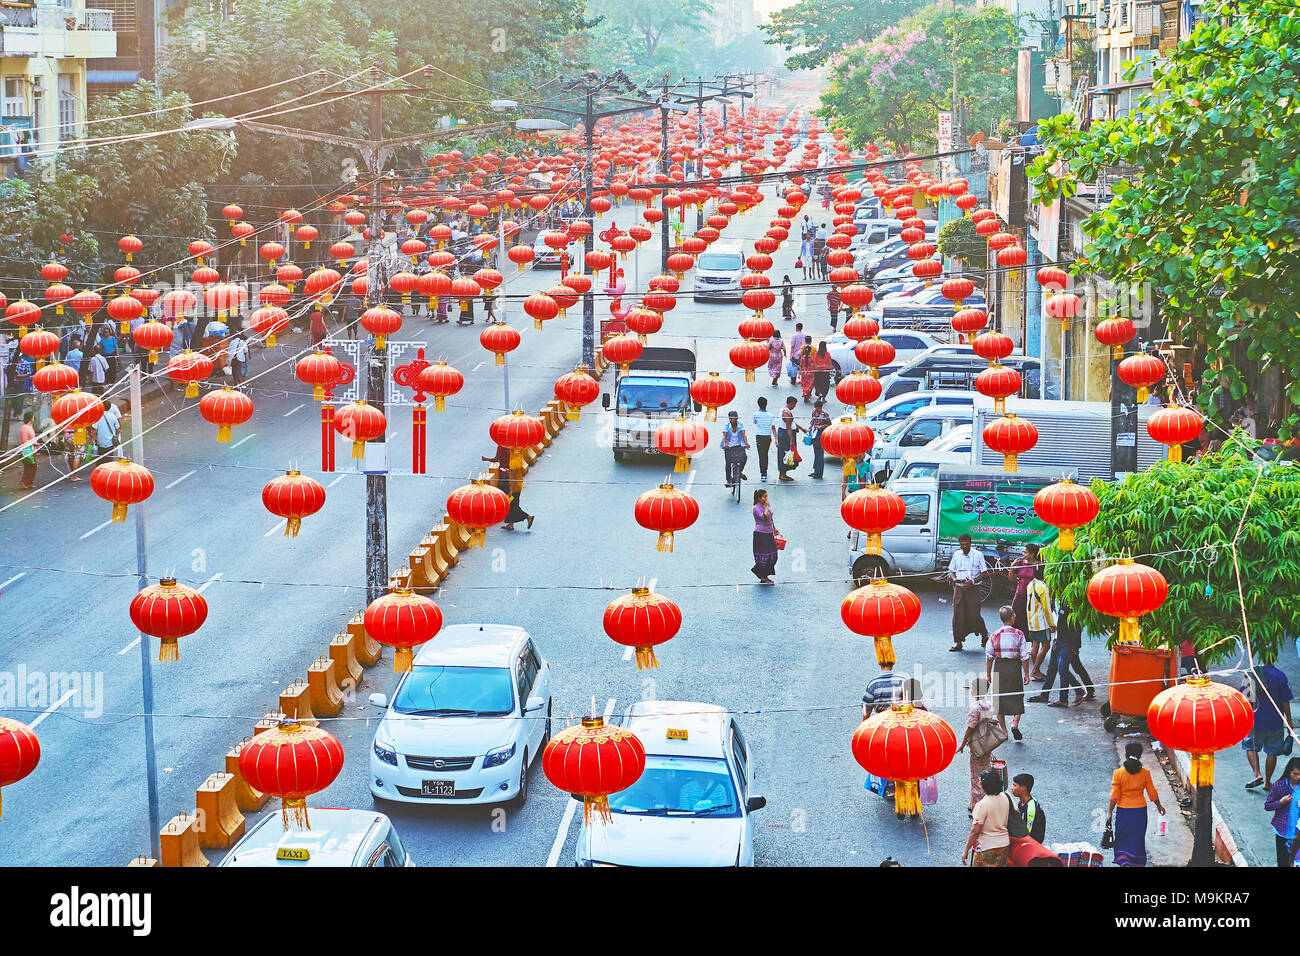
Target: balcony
x=56 y=31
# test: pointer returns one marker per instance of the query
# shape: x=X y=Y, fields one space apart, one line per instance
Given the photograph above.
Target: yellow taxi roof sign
x=292 y=853
x=675 y=733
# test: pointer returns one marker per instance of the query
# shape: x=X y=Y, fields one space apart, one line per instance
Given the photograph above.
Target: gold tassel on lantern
x=907 y=798
x=402 y=660
x=538 y=324
x=192 y=390
x=124 y=328
x=572 y=413
x=119 y=513
x=439 y=403
x=1143 y=394
x=358 y=449
x=223 y=433
x=884 y=650
x=872 y=543
x=153 y=356
x=501 y=358
x=291 y=527
x=379 y=341
x=293 y=813
x=1009 y=463
x=710 y=414
x=681 y=463
x=169 y=650
x=597 y=805
x=1175 y=452
x=850 y=466
x=665 y=542
x=476 y=538
x=645 y=658
x=1000 y=405
x=1065 y=540
x=749 y=375
x=516 y=459
x=1129 y=630
x=1202 y=770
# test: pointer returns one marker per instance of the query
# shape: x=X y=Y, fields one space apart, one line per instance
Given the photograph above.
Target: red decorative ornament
x=541 y=308
x=292 y=762
x=1066 y=506
x=359 y=422
x=859 y=328
x=225 y=408
x=749 y=356
x=1127 y=590
x=77 y=410
x=440 y=380
x=1010 y=437
x=859 y=390
x=1143 y=371
x=758 y=300
x=998 y=382
x=575 y=390
x=857 y=296
x=320 y=286
x=756 y=327
x=130 y=245
x=1012 y=256
x=681 y=438
x=1053 y=279
x=517 y=431
x=592 y=761
x=38 y=344
x=1200 y=717
x=381 y=322
x=499 y=339
x=847 y=439
x=880 y=610
x=713 y=391
x=873 y=511
x=1174 y=425
x=268 y=321
x=190 y=368
x=993 y=346
x=667 y=511
x=521 y=255
x=1116 y=333
x=622 y=350
x=1064 y=306
x=177 y=304
x=168 y=611
x=121 y=483
x=642 y=620
x=957 y=289
x=477 y=507
x=125 y=309
x=643 y=321
x=55 y=378
x=905 y=745
x=20 y=751
x=874 y=353
x=320 y=370
x=293 y=496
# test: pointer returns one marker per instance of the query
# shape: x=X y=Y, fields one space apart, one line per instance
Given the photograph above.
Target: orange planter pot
x=1137 y=674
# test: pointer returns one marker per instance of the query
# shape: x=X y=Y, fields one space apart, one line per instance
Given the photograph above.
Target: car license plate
x=439 y=788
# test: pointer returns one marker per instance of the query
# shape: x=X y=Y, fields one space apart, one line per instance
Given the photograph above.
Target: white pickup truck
x=655 y=389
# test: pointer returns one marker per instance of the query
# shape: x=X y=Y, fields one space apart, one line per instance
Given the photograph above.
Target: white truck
x=656 y=388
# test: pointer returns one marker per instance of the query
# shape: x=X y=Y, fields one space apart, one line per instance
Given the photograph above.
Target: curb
x=1225 y=847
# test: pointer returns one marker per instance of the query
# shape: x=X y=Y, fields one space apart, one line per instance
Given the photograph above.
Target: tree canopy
x=1207 y=210
x=1183 y=520
x=813 y=31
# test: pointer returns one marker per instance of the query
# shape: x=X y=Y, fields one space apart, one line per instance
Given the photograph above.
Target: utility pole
x=589 y=300
x=699 y=149
x=663 y=169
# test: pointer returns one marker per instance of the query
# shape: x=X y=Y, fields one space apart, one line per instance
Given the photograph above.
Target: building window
x=67 y=106
x=15 y=103
x=38 y=111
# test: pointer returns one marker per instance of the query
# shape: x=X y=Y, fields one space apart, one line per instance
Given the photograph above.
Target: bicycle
x=736 y=458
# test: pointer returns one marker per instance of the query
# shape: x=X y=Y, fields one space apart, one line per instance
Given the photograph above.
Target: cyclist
x=734 y=445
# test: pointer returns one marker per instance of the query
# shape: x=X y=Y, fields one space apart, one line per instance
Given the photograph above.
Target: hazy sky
x=767 y=6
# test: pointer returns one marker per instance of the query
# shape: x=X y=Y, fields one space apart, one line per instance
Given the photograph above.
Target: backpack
x=1017 y=828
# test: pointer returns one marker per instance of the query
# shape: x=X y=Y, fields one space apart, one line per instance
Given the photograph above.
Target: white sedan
x=907 y=345
x=692 y=806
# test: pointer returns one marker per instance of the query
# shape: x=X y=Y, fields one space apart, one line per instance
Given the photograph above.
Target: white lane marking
x=178 y=480
x=5 y=584
x=242 y=440
x=278 y=525
x=690 y=480
x=567 y=820
x=341 y=476
x=129 y=646
x=292 y=410
x=51 y=709
x=477 y=367
x=209 y=582
x=98 y=527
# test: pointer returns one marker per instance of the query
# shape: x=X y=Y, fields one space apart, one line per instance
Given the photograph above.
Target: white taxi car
x=337 y=838
x=692 y=806
x=466 y=721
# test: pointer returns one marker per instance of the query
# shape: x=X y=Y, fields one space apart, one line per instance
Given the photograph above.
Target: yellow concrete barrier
x=143 y=860
x=221 y=823
x=400 y=579
x=532 y=454
x=457 y=535
x=343 y=653
x=269 y=722
x=326 y=698
x=295 y=701
x=438 y=561
x=178 y=842
x=415 y=561
x=367 y=649
x=448 y=550
x=429 y=570
x=246 y=798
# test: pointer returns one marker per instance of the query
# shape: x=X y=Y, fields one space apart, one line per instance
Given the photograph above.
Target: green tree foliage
x=957 y=239
x=1182 y=519
x=813 y=31
x=650 y=38
x=37 y=209
x=1207 y=213
x=893 y=87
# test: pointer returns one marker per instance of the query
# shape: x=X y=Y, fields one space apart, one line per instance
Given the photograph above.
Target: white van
x=717 y=272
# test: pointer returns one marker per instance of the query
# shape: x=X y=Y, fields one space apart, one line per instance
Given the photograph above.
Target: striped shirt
x=1038 y=606
x=1007 y=642
x=883 y=689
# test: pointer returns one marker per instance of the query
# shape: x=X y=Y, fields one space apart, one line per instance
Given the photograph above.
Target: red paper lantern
x=659 y=300
x=359 y=422
x=1066 y=506
x=168 y=611
x=643 y=321
x=872 y=510
x=956 y=289
x=77 y=410
x=190 y=368
x=680 y=263
x=293 y=496
x=622 y=350
x=85 y=304
x=681 y=438
x=666 y=510
x=178 y=303
x=130 y=245
x=859 y=390
x=320 y=286
x=225 y=407
x=268 y=321
x=993 y=346
x=517 y=431
x=20 y=751
x=540 y=307
x=1012 y=256
x=1173 y=425
x=38 y=344
x=477 y=507
x=1053 y=279
x=749 y=356
x=402 y=620
x=1010 y=437
x=1116 y=333
x=969 y=322
x=859 y=328
x=756 y=327
x=342 y=252
x=55 y=378
x=1200 y=717
x=58 y=293
x=873 y=353
x=291 y=761
x=521 y=255
x=1142 y=371
x=287 y=274
x=431 y=285
x=440 y=380
x=1127 y=590
x=381 y=322
x=320 y=370
x=847 y=439
x=576 y=390
x=998 y=382
x=125 y=309
x=274 y=294
x=713 y=391
x=271 y=252
x=121 y=483
x=880 y=610
x=642 y=620
x=758 y=300
x=905 y=745
x=499 y=338
x=1064 y=306
x=592 y=761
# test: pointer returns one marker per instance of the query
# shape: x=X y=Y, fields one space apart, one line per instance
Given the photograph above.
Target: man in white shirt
x=764 y=435
x=97 y=369
x=965 y=570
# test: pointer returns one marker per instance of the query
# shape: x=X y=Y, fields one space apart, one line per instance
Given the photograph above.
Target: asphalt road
x=779 y=657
